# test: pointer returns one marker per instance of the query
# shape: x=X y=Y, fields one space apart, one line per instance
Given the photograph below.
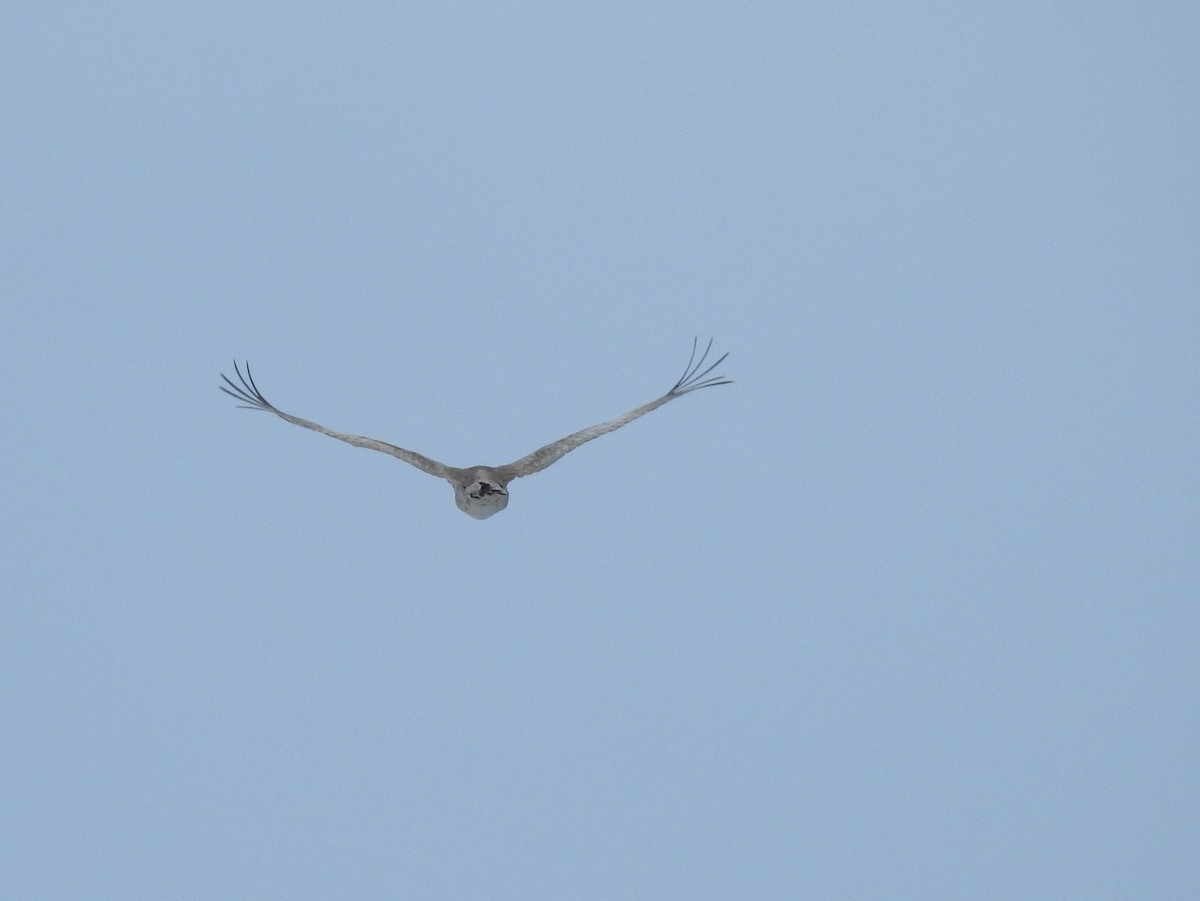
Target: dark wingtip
x=247 y=392
x=694 y=377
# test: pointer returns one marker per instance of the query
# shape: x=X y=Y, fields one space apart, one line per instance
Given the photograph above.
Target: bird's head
x=480 y=495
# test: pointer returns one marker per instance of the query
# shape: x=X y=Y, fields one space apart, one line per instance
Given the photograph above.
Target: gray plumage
x=481 y=491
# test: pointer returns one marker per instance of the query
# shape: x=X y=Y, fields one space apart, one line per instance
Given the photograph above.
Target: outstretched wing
x=252 y=399
x=691 y=380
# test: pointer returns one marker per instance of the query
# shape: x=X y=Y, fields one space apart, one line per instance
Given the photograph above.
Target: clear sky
x=908 y=611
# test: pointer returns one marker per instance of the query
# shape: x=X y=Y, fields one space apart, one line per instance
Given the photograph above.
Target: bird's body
x=481 y=491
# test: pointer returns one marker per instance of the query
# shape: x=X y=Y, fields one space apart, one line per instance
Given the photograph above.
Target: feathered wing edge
x=693 y=379
x=250 y=398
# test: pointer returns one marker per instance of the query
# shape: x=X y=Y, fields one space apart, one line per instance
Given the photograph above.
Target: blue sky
x=910 y=610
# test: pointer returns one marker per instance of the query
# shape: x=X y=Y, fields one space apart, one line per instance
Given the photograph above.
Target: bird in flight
x=481 y=491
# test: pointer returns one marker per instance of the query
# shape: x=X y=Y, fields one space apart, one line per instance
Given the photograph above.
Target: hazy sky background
x=908 y=611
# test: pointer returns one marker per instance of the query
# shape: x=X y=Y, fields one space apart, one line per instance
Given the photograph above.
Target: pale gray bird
x=481 y=491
